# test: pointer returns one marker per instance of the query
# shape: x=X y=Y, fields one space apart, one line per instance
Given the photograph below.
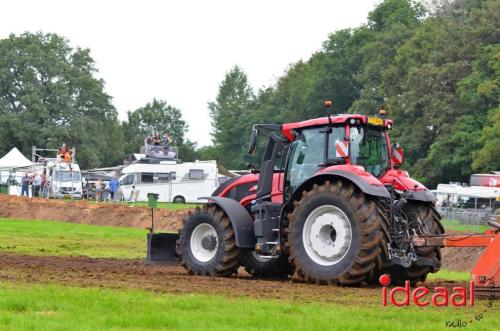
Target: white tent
x=14 y=159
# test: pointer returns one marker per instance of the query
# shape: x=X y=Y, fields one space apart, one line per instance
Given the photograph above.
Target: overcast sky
x=179 y=51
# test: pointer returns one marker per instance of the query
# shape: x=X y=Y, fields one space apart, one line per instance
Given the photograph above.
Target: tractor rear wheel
x=424 y=220
x=266 y=268
x=206 y=243
x=335 y=234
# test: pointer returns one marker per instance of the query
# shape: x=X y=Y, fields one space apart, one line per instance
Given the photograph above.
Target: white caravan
x=174 y=182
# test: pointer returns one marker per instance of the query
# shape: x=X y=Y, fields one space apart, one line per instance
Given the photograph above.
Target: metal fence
x=465 y=216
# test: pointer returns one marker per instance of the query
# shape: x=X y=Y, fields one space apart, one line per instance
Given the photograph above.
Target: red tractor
x=328 y=203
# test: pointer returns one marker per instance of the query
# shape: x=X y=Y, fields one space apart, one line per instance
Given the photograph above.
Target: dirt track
x=115 y=273
x=89 y=213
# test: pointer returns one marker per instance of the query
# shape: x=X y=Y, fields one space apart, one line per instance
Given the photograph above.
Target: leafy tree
x=156 y=116
x=49 y=94
x=230 y=118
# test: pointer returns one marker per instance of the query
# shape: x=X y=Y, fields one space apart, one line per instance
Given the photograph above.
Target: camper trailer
x=172 y=181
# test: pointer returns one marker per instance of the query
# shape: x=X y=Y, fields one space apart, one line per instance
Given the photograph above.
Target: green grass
x=66 y=239
x=455 y=225
x=444 y=274
x=52 y=307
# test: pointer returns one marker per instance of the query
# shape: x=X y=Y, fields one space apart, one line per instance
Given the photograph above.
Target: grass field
x=455 y=225
x=51 y=307
x=66 y=239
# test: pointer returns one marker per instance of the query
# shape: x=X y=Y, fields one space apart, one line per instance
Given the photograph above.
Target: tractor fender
x=240 y=219
x=424 y=196
x=374 y=190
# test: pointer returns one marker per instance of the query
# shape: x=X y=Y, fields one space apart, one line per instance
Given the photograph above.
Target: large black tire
x=226 y=259
x=268 y=268
x=430 y=225
x=367 y=243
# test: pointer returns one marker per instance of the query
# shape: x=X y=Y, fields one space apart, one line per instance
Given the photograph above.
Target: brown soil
x=116 y=273
x=89 y=213
x=458 y=259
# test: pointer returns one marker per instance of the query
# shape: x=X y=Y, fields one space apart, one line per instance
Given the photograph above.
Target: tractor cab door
x=311 y=149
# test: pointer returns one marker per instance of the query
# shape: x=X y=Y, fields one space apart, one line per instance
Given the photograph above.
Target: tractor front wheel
x=206 y=243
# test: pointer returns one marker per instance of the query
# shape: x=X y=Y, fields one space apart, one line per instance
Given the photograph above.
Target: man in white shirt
x=37 y=183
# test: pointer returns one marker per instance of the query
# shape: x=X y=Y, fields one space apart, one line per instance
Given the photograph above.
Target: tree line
x=434 y=67
x=49 y=94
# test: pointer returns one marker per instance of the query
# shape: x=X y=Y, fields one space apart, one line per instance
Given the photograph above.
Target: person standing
x=113 y=187
x=37 y=183
x=98 y=189
x=25 y=184
x=62 y=151
x=157 y=139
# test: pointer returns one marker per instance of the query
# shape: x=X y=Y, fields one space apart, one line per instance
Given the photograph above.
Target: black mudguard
x=424 y=196
x=240 y=219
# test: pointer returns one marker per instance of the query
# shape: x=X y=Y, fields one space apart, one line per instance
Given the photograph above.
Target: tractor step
x=161 y=249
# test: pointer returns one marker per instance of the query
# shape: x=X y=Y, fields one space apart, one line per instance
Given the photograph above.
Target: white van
x=174 y=182
x=63 y=181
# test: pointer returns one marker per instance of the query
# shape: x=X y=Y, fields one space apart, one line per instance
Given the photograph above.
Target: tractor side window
x=307 y=153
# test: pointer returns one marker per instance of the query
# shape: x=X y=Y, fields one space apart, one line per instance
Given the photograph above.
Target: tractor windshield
x=368 y=148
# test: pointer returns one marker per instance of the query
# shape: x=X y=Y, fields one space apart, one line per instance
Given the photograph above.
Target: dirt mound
x=119 y=273
x=85 y=212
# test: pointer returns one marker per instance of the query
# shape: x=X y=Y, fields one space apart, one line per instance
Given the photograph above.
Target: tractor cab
x=351 y=143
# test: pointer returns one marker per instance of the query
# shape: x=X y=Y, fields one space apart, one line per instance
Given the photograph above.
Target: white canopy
x=14 y=159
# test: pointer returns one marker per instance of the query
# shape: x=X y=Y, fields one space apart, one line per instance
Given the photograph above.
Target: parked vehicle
x=174 y=182
x=63 y=180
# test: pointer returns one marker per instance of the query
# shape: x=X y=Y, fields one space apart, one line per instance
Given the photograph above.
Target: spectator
x=68 y=157
x=113 y=187
x=166 y=139
x=147 y=143
x=37 y=183
x=44 y=185
x=62 y=151
x=98 y=189
x=25 y=184
x=156 y=139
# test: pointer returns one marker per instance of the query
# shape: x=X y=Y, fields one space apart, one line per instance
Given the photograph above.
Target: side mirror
x=398 y=156
x=253 y=141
